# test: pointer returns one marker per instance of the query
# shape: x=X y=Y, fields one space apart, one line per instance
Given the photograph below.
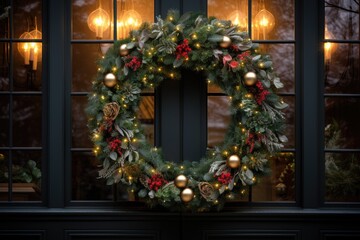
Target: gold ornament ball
x=123 y=50
x=226 y=42
x=250 y=79
x=181 y=181
x=187 y=195
x=233 y=161
x=110 y=80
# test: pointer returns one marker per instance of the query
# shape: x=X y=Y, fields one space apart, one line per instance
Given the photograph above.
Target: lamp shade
x=98 y=22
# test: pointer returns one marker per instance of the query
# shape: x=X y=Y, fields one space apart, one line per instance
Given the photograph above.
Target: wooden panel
x=340 y=235
x=21 y=234
x=251 y=235
x=110 y=235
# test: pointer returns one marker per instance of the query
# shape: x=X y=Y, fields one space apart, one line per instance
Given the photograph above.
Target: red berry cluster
x=156 y=181
x=242 y=56
x=182 y=50
x=115 y=145
x=251 y=139
x=234 y=48
x=224 y=178
x=134 y=63
x=262 y=93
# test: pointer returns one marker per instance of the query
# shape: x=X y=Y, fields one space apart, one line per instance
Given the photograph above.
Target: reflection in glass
x=4 y=66
x=84 y=66
x=342 y=72
x=4 y=185
x=81 y=11
x=290 y=121
x=146 y=115
x=342 y=123
x=346 y=13
x=283 y=12
x=4 y=121
x=342 y=177
x=283 y=57
x=280 y=184
x=27 y=16
x=218 y=119
x=85 y=185
x=79 y=130
x=130 y=15
x=26 y=176
x=5 y=19
x=27 y=121
x=25 y=77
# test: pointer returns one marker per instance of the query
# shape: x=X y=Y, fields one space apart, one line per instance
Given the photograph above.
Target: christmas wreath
x=159 y=51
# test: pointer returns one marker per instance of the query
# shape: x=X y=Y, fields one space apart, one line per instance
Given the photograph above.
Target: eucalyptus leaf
x=178 y=62
x=277 y=83
x=113 y=156
x=130 y=45
x=142 y=193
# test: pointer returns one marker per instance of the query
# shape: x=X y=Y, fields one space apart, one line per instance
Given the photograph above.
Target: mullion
x=348 y=95
x=341 y=150
x=11 y=76
x=341 y=41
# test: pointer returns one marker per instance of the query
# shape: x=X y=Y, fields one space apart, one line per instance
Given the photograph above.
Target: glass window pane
x=84 y=66
x=218 y=119
x=27 y=17
x=234 y=10
x=5 y=21
x=146 y=115
x=131 y=13
x=80 y=132
x=346 y=13
x=342 y=123
x=27 y=121
x=101 y=16
x=4 y=120
x=27 y=66
x=4 y=185
x=342 y=177
x=290 y=122
x=342 y=68
x=4 y=66
x=283 y=57
x=273 y=19
x=85 y=184
x=280 y=184
x=26 y=175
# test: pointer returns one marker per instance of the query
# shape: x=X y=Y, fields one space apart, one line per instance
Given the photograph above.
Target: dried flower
x=207 y=191
x=111 y=110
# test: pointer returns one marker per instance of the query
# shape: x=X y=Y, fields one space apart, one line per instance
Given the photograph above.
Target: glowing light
x=264 y=23
x=99 y=21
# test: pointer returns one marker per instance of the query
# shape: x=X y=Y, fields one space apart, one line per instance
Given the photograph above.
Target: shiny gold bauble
x=181 y=181
x=187 y=195
x=226 y=42
x=250 y=79
x=123 y=50
x=233 y=161
x=110 y=80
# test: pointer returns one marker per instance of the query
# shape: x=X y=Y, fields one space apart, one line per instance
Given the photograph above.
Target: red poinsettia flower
x=156 y=181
